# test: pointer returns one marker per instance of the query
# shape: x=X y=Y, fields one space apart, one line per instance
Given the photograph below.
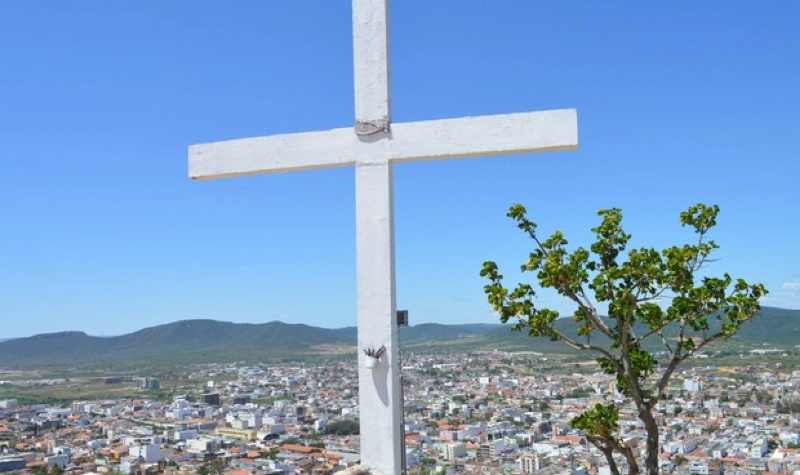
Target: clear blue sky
x=102 y=231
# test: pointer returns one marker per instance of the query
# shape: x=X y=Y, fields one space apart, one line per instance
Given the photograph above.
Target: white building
x=254 y=421
x=201 y=445
x=184 y=435
x=455 y=450
x=531 y=462
x=148 y=450
x=691 y=385
x=699 y=466
x=759 y=448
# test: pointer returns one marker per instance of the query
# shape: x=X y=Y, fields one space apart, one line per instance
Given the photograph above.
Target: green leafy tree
x=52 y=469
x=630 y=285
x=342 y=428
x=772 y=445
x=269 y=454
x=212 y=467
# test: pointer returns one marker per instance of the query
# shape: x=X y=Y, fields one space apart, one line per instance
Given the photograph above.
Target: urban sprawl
x=465 y=413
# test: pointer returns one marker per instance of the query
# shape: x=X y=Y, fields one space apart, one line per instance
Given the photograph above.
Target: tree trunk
x=612 y=465
x=633 y=466
x=651 y=462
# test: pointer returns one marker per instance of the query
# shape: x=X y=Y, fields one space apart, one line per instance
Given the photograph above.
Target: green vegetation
x=701 y=311
x=220 y=341
x=342 y=428
x=148 y=352
x=268 y=401
x=579 y=393
x=45 y=470
x=212 y=467
x=269 y=454
x=789 y=406
x=91 y=387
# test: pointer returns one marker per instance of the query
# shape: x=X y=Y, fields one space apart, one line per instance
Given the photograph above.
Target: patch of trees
x=212 y=467
x=45 y=470
x=579 y=393
x=787 y=406
x=342 y=428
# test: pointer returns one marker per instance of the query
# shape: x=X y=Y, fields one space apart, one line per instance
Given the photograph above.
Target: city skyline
x=677 y=105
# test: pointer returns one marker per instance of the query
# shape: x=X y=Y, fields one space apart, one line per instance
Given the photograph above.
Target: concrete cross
x=373 y=146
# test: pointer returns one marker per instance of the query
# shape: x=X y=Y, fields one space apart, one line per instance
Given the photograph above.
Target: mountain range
x=211 y=340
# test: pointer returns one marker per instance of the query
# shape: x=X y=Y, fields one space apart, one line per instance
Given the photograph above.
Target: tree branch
x=607 y=451
x=703 y=343
x=633 y=466
x=653 y=296
x=633 y=382
x=658 y=329
x=590 y=310
x=580 y=346
x=664 y=340
x=586 y=304
x=674 y=361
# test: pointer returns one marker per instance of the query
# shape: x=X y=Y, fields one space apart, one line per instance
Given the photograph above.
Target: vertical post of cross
x=379 y=388
x=371 y=65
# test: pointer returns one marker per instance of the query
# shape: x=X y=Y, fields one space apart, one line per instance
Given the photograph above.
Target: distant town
x=465 y=413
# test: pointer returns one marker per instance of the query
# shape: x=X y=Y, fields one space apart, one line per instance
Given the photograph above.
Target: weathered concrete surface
x=527 y=132
x=379 y=402
x=371 y=66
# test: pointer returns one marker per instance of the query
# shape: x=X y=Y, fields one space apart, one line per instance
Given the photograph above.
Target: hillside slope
x=774 y=327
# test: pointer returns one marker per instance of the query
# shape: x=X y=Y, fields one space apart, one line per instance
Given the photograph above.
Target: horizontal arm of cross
x=527 y=132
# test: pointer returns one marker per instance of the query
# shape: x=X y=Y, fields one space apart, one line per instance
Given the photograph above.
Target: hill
x=772 y=327
x=204 y=340
x=211 y=340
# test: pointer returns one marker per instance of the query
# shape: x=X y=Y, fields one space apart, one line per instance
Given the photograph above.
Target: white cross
x=373 y=145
